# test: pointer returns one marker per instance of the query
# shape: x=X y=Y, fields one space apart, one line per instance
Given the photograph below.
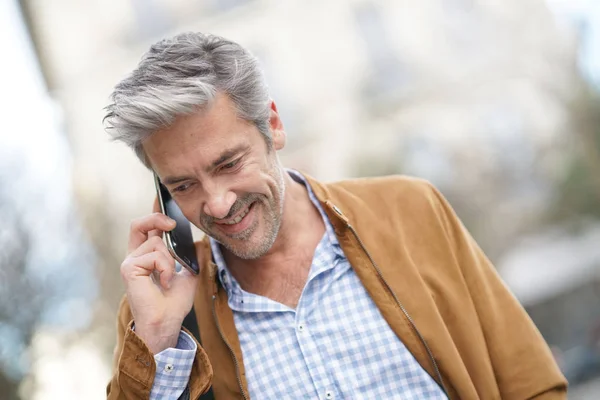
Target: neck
x=282 y=272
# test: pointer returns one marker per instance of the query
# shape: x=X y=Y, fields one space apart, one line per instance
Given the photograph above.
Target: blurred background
x=495 y=102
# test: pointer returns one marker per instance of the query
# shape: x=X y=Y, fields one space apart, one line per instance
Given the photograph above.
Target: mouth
x=237 y=223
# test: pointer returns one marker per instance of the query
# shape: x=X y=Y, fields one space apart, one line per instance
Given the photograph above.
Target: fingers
x=148 y=263
x=147 y=253
x=155 y=233
x=142 y=227
x=154 y=243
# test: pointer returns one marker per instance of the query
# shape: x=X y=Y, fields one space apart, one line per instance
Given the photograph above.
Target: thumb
x=184 y=281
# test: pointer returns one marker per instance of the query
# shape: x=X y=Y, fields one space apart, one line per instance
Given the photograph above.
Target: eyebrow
x=172 y=180
x=228 y=154
x=225 y=156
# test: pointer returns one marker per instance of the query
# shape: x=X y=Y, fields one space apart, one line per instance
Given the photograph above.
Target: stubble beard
x=272 y=214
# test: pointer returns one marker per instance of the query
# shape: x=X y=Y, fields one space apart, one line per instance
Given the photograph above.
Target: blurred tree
x=21 y=298
x=578 y=193
x=99 y=219
x=45 y=283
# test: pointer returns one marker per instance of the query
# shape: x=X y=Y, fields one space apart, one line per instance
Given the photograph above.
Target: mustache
x=239 y=204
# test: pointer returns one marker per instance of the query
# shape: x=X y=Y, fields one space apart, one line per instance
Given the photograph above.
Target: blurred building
x=473 y=95
x=556 y=276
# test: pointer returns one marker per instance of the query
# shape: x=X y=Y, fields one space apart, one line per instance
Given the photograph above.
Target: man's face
x=222 y=174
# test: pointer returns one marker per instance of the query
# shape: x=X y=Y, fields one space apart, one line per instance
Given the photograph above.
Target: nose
x=219 y=203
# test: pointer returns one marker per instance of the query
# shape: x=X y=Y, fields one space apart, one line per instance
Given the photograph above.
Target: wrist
x=158 y=339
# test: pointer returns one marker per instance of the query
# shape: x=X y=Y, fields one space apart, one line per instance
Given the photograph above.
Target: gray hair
x=179 y=76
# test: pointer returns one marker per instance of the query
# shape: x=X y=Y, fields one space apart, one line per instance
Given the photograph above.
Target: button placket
x=307 y=344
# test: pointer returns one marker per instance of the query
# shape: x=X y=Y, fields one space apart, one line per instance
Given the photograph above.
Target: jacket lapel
x=217 y=329
x=378 y=258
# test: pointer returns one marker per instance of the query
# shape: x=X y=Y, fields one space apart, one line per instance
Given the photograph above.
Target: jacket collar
x=337 y=217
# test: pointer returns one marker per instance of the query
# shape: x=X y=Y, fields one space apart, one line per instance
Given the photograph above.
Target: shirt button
x=329 y=395
x=169 y=368
x=301 y=328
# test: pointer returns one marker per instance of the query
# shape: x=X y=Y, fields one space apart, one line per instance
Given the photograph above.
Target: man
x=359 y=289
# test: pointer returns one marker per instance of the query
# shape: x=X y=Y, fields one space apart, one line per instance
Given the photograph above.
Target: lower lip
x=240 y=226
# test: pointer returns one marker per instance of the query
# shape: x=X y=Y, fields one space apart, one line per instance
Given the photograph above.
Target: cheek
x=192 y=211
x=252 y=180
x=191 y=205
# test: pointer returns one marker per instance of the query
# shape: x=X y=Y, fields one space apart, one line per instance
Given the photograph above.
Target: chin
x=252 y=248
x=248 y=250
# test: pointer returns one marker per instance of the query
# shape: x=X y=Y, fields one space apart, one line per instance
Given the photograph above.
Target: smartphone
x=179 y=241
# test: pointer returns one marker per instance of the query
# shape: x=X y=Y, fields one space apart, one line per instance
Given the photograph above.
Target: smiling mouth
x=237 y=219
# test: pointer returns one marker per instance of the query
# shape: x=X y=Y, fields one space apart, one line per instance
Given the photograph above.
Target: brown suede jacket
x=431 y=282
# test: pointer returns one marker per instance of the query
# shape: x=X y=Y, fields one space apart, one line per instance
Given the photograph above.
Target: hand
x=159 y=297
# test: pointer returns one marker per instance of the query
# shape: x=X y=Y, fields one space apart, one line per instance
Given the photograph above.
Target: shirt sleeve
x=173 y=368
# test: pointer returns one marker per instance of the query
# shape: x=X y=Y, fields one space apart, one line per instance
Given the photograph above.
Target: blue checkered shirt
x=334 y=345
x=173 y=367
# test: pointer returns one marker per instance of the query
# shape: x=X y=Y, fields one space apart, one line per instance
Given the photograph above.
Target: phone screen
x=180 y=241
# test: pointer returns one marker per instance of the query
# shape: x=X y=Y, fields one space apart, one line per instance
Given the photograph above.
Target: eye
x=230 y=165
x=181 y=188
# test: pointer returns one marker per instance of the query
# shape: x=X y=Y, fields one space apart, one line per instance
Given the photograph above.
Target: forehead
x=199 y=137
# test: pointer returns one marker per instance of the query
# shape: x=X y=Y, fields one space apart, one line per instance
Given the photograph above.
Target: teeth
x=237 y=219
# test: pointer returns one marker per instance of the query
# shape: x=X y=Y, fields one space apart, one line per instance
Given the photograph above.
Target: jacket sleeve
x=521 y=359
x=134 y=367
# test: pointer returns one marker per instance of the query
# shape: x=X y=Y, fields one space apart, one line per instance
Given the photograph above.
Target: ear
x=277 y=130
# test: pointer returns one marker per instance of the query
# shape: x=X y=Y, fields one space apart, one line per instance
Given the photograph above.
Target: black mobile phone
x=180 y=241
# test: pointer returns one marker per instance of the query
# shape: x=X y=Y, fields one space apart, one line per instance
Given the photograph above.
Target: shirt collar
x=229 y=282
